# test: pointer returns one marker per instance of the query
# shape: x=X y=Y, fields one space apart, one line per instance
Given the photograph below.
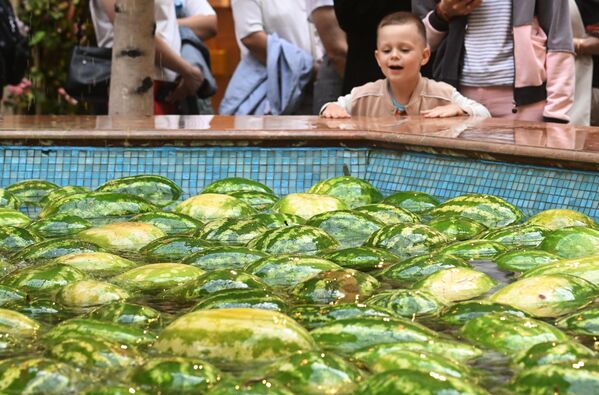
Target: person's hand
x=452 y=8
x=67 y=98
x=334 y=111
x=449 y=110
x=188 y=85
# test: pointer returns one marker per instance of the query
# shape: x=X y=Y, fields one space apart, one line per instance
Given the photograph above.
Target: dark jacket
x=359 y=19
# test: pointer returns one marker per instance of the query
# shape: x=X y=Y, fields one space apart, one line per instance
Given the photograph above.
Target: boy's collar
x=414 y=97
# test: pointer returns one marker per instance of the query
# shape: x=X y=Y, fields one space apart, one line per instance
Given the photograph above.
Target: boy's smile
x=401 y=52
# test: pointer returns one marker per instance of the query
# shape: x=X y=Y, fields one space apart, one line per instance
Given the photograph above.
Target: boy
x=401 y=52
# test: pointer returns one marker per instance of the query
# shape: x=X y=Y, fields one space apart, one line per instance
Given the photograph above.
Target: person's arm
x=339 y=109
x=257 y=43
x=204 y=26
x=436 y=16
x=587 y=46
x=332 y=37
x=469 y=106
x=191 y=76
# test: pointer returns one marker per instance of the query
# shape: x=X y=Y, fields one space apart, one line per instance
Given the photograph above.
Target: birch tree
x=133 y=54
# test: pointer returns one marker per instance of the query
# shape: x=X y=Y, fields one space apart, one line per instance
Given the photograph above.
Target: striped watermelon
x=407 y=303
x=352 y=191
x=307 y=205
x=37 y=375
x=389 y=214
x=413 y=201
x=261 y=201
x=31 y=192
x=288 y=270
x=226 y=257
x=54 y=248
x=457 y=283
x=298 y=239
x=527 y=235
x=457 y=228
x=60 y=225
x=126 y=314
x=235 y=231
x=278 y=220
x=363 y=258
x=13 y=238
x=561 y=218
x=14 y=323
x=572 y=242
x=61 y=192
x=406 y=240
x=554 y=353
x=96 y=263
x=12 y=217
x=89 y=293
x=210 y=206
x=121 y=334
x=173 y=248
x=157 y=277
x=580 y=378
x=521 y=260
x=122 y=236
x=587 y=268
x=472 y=250
x=46 y=278
x=155 y=189
x=584 y=322
x=169 y=223
x=235 y=339
x=242 y=298
x=462 y=312
x=175 y=375
x=458 y=351
x=8 y=200
x=489 y=210
x=236 y=184
x=335 y=286
x=314 y=316
x=350 y=228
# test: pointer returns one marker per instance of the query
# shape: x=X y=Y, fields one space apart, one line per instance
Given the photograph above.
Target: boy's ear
x=376 y=56
x=426 y=55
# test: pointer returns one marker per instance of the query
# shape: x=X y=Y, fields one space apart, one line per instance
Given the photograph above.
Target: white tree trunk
x=131 y=82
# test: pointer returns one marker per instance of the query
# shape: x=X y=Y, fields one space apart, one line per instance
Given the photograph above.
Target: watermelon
x=46 y=278
x=525 y=235
x=90 y=352
x=215 y=281
x=210 y=206
x=176 y=375
x=521 y=260
x=489 y=210
x=550 y=295
x=409 y=382
x=457 y=228
x=411 y=270
x=352 y=191
x=572 y=242
x=99 y=264
x=407 y=303
x=157 y=277
x=350 y=228
x=554 y=353
x=415 y=360
x=242 y=298
x=31 y=192
x=451 y=349
x=278 y=220
x=173 y=248
x=311 y=372
x=99 y=207
x=60 y=225
x=261 y=201
x=169 y=223
x=413 y=201
x=362 y=258
x=335 y=286
x=96 y=389
x=307 y=205
x=587 y=268
x=454 y=284
x=12 y=217
x=88 y=293
x=462 y=312
x=41 y=309
x=298 y=239
x=580 y=378
x=54 y=248
x=14 y=323
x=234 y=231
x=236 y=184
x=406 y=240
x=229 y=257
x=121 y=334
x=25 y=375
x=155 y=189
x=126 y=314
x=122 y=236
x=61 y=192
x=235 y=338
x=472 y=250
x=313 y=316
x=585 y=322
x=11 y=295
x=561 y=218
x=250 y=387
x=508 y=333
x=13 y=238
x=288 y=270
x=388 y=214
x=351 y=334
x=8 y=200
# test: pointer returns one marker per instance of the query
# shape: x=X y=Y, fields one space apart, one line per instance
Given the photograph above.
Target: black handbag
x=89 y=73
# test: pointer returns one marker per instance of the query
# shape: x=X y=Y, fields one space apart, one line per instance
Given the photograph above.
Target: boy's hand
x=188 y=85
x=449 y=110
x=334 y=111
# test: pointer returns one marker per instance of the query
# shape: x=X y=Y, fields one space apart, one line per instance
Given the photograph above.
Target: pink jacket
x=543 y=53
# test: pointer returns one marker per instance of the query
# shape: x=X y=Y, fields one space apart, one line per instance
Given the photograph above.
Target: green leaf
x=37 y=37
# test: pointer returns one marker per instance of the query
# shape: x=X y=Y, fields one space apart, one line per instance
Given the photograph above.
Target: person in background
x=359 y=19
x=197 y=23
x=585 y=15
x=401 y=52
x=514 y=56
x=329 y=79
x=175 y=78
x=256 y=22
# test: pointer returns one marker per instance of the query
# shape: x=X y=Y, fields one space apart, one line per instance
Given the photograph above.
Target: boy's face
x=401 y=52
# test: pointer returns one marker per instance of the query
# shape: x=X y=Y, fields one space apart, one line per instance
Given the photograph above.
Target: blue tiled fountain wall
x=287 y=170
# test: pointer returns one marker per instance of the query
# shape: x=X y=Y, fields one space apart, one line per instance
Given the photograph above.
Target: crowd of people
x=534 y=60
